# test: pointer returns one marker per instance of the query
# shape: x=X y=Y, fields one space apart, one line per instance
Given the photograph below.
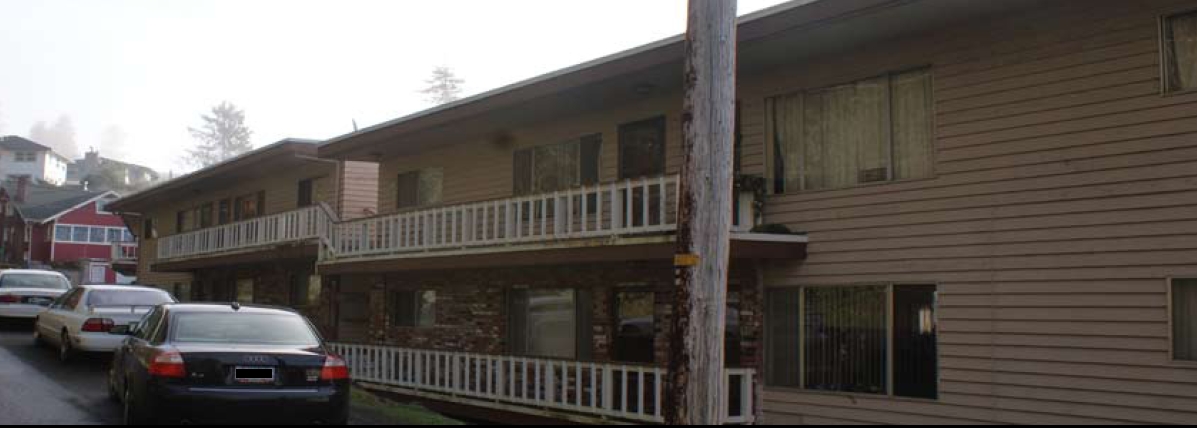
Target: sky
x=299 y=68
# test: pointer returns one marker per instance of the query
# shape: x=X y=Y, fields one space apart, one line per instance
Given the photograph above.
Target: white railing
x=312 y=222
x=612 y=391
x=124 y=252
x=623 y=208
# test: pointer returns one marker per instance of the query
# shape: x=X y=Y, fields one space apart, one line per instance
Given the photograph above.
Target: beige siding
x=1064 y=197
x=359 y=193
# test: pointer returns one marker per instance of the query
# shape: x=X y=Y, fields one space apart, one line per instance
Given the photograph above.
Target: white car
x=80 y=321
x=26 y=293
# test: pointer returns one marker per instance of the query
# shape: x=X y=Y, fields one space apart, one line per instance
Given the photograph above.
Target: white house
x=21 y=157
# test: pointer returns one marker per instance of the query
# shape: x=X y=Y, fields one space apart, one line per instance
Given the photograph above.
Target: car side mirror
x=121 y=330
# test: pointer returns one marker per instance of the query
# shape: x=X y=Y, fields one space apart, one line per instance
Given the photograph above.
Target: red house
x=68 y=230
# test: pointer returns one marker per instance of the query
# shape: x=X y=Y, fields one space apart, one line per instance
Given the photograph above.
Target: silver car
x=25 y=293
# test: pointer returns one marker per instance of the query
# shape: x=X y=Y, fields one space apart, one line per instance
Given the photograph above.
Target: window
x=547 y=323
x=1180 y=52
x=245 y=290
x=305 y=289
x=223 y=214
x=26 y=157
x=875 y=130
x=419 y=188
x=642 y=149
x=148 y=229
x=249 y=206
x=1184 y=319
x=62 y=233
x=635 y=327
x=305 y=195
x=839 y=339
x=116 y=235
x=181 y=222
x=558 y=166
x=205 y=215
x=102 y=205
x=412 y=308
x=80 y=234
x=97 y=235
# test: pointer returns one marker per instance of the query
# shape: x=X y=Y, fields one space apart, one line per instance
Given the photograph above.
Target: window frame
x=624 y=129
x=889 y=387
x=419 y=175
x=771 y=154
x=580 y=179
x=1171 y=286
x=392 y=301
x=1165 y=53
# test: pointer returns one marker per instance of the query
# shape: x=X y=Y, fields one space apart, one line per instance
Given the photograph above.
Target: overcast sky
x=298 y=68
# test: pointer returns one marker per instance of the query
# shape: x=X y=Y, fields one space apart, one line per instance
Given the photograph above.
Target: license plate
x=40 y=301
x=254 y=375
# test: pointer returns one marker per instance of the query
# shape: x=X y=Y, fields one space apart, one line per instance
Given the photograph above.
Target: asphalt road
x=35 y=389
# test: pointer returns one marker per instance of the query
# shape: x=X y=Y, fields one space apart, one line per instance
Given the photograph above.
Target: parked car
x=80 y=320
x=226 y=363
x=25 y=293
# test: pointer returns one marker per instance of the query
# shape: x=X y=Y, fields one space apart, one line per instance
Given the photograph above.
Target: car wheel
x=65 y=352
x=133 y=413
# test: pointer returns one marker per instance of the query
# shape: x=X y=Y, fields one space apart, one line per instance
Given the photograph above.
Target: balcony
x=570 y=390
x=297 y=226
x=124 y=253
x=625 y=220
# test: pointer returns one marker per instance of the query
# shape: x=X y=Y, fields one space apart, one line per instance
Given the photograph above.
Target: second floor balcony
x=307 y=224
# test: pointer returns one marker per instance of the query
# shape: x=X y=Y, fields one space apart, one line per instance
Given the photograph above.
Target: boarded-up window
x=1184 y=319
x=642 y=149
x=869 y=131
x=1180 y=51
x=410 y=308
x=558 y=166
x=419 y=188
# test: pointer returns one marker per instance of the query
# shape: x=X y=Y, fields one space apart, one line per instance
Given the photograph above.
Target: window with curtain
x=557 y=166
x=838 y=339
x=874 y=130
x=411 y=308
x=1180 y=49
x=420 y=188
x=1184 y=319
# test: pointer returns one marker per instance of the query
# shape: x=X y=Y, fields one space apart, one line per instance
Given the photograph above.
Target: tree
x=222 y=136
x=109 y=177
x=60 y=137
x=444 y=86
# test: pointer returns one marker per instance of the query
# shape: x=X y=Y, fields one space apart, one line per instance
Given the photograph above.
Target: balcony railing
x=303 y=224
x=619 y=392
x=124 y=252
x=623 y=208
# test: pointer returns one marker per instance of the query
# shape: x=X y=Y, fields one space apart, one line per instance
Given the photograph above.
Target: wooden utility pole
x=695 y=393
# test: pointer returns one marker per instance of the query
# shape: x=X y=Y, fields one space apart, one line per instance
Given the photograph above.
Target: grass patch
x=392 y=413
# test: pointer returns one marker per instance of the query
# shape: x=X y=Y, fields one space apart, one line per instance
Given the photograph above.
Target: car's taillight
x=334 y=369
x=8 y=298
x=98 y=325
x=167 y=364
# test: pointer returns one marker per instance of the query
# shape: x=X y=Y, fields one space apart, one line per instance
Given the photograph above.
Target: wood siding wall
x=1064 y=197
x=359 y=190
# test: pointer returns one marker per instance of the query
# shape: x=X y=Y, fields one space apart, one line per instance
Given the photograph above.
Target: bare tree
x=60 y=136
x=444 y=86
x=223 y=135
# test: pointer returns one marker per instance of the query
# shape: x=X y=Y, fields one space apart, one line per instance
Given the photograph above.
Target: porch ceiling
x=660 y=248
x=267 y=254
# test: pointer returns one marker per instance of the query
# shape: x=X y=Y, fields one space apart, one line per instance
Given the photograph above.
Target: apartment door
x=353 y=317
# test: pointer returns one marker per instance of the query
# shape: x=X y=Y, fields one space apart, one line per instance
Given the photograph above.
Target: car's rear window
x=100 y=298
x=243 y=329
x=33 y=280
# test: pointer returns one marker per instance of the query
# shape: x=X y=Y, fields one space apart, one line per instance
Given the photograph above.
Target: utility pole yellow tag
x=686 y=260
